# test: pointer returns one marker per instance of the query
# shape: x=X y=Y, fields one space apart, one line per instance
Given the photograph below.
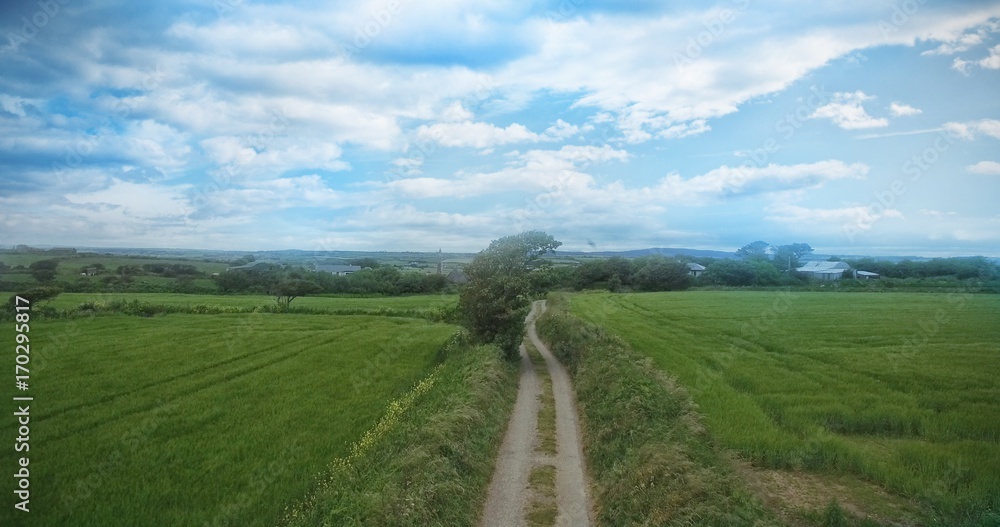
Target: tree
x=44 y=271
x=740 y=273
x=753 y=251
x=35 y=296
x=499 y=282
x=287 y=290
x=659 y=273
x=788 y=256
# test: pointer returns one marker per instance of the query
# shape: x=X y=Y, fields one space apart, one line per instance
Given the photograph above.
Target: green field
x=201 y=420
x=415 y=302
x=902 y=390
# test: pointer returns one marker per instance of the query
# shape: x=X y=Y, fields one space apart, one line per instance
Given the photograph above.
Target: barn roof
x=822 y=267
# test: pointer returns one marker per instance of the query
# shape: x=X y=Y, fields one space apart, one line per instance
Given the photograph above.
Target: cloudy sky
x=859 y=127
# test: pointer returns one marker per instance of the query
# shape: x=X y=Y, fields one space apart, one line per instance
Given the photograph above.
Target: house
x=90 y=271
x=824 y=270
x=866 y=275
x=695 y=270
x=337 y=269
x=457 y=276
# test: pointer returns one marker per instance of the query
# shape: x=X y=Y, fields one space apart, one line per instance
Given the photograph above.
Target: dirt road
x=509 y=491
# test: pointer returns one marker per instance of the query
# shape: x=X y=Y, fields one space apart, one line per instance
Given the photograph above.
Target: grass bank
x=428 y=462
x=651 y=459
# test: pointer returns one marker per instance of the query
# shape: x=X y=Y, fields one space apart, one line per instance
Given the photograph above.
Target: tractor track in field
x=509 y=490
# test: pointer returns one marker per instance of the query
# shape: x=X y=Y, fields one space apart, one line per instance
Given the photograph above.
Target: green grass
x=543 y=509
x=547 y=403
x=433 y=466
x=418 y=302
x=651 y=460
x=897 y=389
x=201 y=420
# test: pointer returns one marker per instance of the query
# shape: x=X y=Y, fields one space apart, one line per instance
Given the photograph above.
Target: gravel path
x=509 y=492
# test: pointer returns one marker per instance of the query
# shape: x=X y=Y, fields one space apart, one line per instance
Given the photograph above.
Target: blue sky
x=856 y=127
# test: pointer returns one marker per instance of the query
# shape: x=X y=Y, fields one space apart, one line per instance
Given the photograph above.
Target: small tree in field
x=287 y=290
x=493 y=300
x=36 y=296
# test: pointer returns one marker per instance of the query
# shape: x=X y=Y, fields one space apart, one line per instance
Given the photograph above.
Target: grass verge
x=431 y=463
x=543 y=509
x=650 y=457
x=546 y=403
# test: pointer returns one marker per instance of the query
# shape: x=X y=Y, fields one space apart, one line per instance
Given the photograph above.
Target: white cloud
x=969 y=130
x=989 y=168
x=135 y=200
x=857 y=218
x=898 y=109
x=456 y=112
x=847 y=112
x=270 y=156
x=476 y=135
x=531 y=171
x=990 y=62
x=962 y=43
x=561 y=130
x=486 y=135
x=728 y=181
x=937 y=213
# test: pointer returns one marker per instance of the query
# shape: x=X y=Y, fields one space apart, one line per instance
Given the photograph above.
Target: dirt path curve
x=509 y=490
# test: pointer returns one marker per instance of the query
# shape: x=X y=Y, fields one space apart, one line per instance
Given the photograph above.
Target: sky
x=858 y=127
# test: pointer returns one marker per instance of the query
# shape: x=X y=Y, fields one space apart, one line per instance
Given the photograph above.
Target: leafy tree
x=788 y=256
x=44 y=271
x=617 y=265
x=499 y=282
x=287 y=290
x=753 y=251
x=43 y=276
x=659 y=273
x=35 y=296
x=740 y=273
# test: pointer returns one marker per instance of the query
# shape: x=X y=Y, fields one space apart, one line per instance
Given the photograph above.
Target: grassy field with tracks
x=899 y=390
x=198 y=419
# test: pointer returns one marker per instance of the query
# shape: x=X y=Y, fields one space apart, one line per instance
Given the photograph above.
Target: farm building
x=824 y=270
x=865 y=275
x=339 y=270
x=695 y=270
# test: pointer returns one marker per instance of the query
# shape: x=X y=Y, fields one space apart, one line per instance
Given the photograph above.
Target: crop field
x=415 y=302
x=202 y=420
x=900 y=390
